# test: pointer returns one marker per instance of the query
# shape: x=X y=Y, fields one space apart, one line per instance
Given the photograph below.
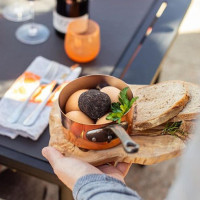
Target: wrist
x=90 y=179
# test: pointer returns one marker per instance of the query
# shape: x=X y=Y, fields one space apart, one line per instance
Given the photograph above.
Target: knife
x=30 y=120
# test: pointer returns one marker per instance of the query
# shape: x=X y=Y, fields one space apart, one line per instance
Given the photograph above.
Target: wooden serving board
x=152 y=149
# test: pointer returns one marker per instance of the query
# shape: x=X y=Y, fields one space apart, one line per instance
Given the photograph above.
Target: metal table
x=127 y=52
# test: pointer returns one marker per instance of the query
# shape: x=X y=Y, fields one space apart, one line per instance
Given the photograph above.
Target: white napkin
x=8 y=105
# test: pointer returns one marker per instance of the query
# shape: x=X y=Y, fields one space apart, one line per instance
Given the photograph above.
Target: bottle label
x=60 y=22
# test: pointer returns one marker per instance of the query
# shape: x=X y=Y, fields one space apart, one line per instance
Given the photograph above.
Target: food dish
x=156 y=144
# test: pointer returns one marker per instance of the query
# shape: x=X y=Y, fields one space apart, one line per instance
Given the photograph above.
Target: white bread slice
x=186 y=126
x=135 y=87
x=149 y=132
x=158 y=103
x=192 y=109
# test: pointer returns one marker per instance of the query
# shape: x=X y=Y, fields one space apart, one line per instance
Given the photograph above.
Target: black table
x=126 y=52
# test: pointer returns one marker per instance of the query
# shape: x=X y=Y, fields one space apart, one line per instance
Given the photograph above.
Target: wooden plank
x=136 y=39
x=145 y=67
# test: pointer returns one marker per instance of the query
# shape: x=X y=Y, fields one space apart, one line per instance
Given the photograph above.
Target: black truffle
x=94 y=103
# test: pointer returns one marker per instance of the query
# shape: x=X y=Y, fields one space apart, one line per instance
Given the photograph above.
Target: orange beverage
x=82 y=41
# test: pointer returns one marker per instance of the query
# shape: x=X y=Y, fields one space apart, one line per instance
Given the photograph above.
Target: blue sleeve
x=100 y=187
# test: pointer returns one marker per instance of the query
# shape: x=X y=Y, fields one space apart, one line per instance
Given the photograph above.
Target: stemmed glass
x=32 y=33
x=18 y=11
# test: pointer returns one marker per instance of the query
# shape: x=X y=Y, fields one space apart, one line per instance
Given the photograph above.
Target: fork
x=48 y=77
x=30 y=120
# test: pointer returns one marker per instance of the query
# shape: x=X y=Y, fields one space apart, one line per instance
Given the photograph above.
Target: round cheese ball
x=72 y=103
x=79 y=117
x=103 y=120
x=112 y=92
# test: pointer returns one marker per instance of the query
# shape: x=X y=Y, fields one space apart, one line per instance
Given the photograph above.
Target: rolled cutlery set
x=50 y=75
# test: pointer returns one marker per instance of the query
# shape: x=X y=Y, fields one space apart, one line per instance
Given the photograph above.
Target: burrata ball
x=103 y=120
x=112 y=92
x=72 y=103
x=79 y=117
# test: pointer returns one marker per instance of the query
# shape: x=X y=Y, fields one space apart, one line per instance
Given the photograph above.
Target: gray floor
x=151 y=182
x=18 y=186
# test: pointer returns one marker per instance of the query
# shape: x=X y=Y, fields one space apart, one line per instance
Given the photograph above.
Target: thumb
x=52 y=155
x=68 y=169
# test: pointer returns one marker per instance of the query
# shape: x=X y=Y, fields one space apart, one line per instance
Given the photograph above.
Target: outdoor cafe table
x=125 y=53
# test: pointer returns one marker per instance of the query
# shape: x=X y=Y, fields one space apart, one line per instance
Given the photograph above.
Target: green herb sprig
x=120 y=108
x=174 y=129
x=171 y=128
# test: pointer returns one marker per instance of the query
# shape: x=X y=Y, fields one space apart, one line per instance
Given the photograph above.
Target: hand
x=69 y=169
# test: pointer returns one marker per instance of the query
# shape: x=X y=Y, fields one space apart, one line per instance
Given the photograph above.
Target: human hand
x=69 y=169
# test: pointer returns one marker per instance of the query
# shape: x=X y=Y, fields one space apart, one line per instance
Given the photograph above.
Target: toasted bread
x=186 y=126
x=159 y=103
x=192 y=109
